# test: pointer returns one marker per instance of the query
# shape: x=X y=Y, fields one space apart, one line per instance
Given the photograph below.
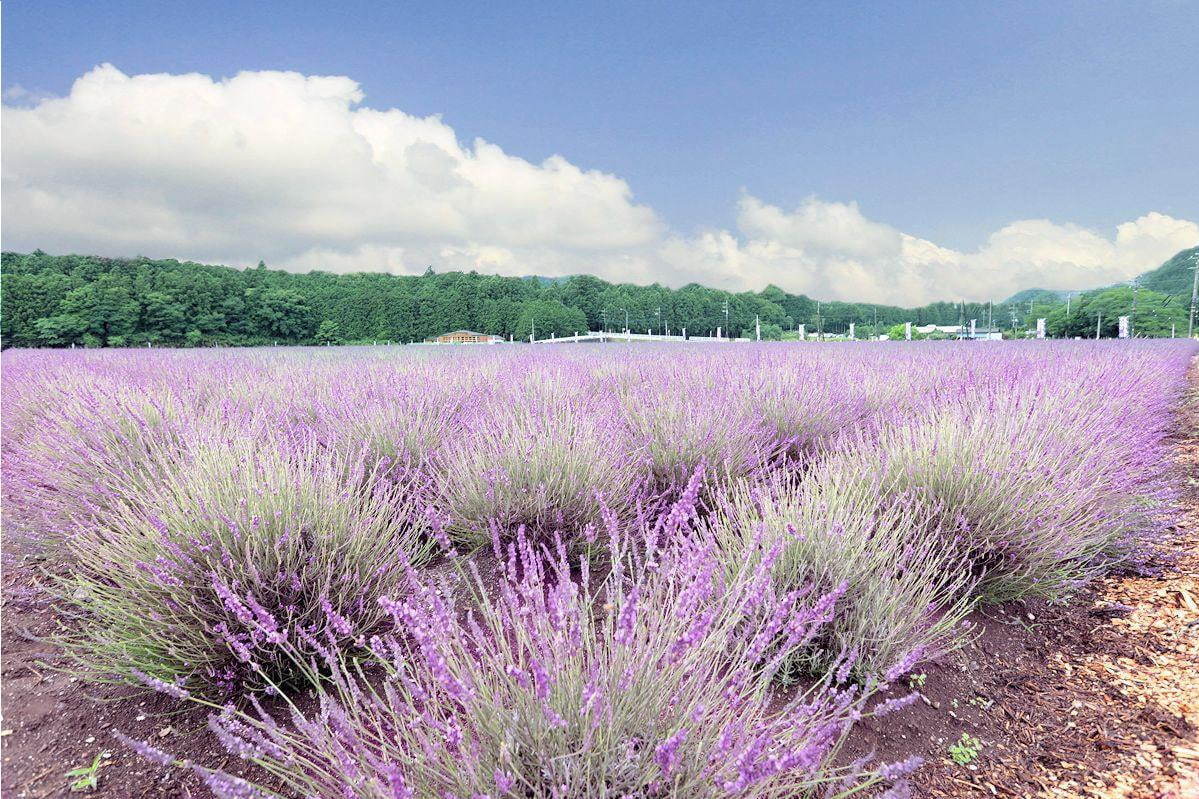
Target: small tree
x=772 y=333
x=329 y=333
x=548 y=316
x=280 y=314
x=899 y=332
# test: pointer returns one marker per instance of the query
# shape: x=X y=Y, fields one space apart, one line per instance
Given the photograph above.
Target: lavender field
x=606 y=571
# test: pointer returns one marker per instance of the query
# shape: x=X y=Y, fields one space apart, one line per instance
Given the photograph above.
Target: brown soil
x=1086 y=699
x=52 y=722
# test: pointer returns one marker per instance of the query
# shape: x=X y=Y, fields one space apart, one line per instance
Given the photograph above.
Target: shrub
x=85 y=447
x=202 y=578
x=684 y=422
x=657 y=683
x=906 y=595
x=807 y=411
x=1038 y=492
x=552 y=464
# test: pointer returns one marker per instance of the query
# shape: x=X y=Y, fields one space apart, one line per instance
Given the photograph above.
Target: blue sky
x=946 y=121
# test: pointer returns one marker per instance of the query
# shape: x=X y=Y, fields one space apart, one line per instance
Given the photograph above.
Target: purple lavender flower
x=905 y=665
x=667 y=753
x=226 y=786
x=169 y=688
x=901 y=790
x=896 y=771
x=144 y=749
x=627 y=620
x=397 y=784
x=898 y=703
x=338 y=622
x=503 y=782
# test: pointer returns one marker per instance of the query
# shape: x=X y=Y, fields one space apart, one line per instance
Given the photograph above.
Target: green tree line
x=1097 y=313
x=59 y=301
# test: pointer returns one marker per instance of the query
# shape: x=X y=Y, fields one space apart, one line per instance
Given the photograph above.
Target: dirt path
x=1157 y=677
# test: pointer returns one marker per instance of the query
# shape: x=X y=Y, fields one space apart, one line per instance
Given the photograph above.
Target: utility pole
x=1098 y=324
x=1136 y=284
x=726 y=313
x=1194 y=295
x=626 y=320
x=819 y=323
x=659 y=315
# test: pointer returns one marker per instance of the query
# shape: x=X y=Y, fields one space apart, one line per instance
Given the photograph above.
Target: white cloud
x=296 y=170
x=832 y=251
x=280 y=165
x=819 y=227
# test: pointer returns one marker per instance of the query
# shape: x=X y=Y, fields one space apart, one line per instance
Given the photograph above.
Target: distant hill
x=1174 y=276
x=1036 y=295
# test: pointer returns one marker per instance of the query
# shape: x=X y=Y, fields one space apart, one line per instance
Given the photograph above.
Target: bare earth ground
x=1098 y=698
x=53 y=723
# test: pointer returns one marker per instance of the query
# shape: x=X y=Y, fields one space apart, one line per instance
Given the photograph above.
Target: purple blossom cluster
x=537 y=572
x=655 y=678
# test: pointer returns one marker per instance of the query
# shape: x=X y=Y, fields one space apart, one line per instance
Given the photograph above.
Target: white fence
x=623 y=336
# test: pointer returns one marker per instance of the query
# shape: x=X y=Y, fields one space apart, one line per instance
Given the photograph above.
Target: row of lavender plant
x=652 y=680
x=234 y=521
x=550 y=442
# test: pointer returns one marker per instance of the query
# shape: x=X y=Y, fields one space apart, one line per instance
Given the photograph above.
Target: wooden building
x=463 y=337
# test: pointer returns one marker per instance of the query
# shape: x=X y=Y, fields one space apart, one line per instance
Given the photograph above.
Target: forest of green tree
x=58 y=301
x=92 y=301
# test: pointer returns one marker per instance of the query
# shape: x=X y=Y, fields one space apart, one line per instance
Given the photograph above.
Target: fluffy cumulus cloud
x=297 y=170
x=831 y=250
x=292 y=168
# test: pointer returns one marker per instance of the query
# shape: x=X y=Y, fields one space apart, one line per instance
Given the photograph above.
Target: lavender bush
x=1038 y=487
x=201 y=580
x=81 y=448
x=552 y=463
x=226 y=521
x=808 y=408
x=654 y=683
x=906 y=593
x=683 y=421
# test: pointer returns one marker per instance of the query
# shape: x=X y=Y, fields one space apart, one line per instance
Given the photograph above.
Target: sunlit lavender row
x=619 y=570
